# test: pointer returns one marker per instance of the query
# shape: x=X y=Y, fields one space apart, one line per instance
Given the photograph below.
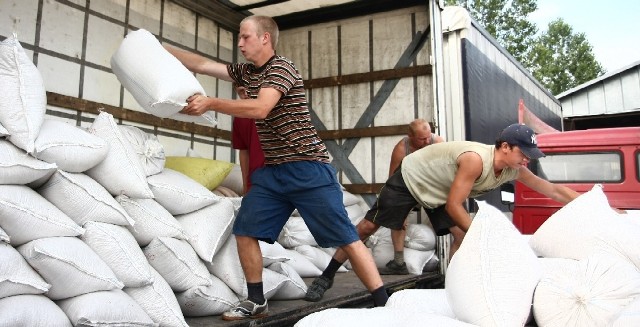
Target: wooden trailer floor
x=347 y=292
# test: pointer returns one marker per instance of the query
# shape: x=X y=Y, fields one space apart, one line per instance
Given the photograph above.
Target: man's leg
x=365 y=268
x=320 y=285
x=458 y=235
x=251 y=260
x=397 y=266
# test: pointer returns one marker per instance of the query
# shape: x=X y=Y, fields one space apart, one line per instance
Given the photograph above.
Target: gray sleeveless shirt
x=429 y=172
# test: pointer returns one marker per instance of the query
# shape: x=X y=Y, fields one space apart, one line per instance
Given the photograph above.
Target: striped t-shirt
x=286 y=134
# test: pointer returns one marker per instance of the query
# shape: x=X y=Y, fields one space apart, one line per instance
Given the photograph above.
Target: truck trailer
x=366 y=76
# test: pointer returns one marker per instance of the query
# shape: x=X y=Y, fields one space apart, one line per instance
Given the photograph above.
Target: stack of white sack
x=94 y=229
x=419 y=250
x=579 y=269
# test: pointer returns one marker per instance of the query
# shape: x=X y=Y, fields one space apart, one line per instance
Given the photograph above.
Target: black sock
x=256 y=295
x=332 y=268
x=380 y=296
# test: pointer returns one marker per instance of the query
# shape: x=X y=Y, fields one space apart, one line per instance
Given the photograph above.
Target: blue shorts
x=309 y=186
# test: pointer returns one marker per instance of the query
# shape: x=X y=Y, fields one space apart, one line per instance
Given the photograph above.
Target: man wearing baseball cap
x=441 y=177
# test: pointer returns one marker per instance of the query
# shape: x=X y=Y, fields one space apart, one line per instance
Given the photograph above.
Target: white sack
x=4 y=237
x=416 y=260
x=23 y=100
x=382 y=235
x=25 y=216
x=272 y=282
x=158 y=301
x=70 y=147
x=293 y=287
x=148 y=148
x=178 y=193
x=69 y=266
x=354 y=211
x=349 y=199
x=588 y=293
x=18 y=167
x=32 y=311
x=421 y=300
x=272 y=253
x=155 y=78
x=226 y=266
x=119 y=250
x=151 y=220
x=379 y=316
x=105 y=308
x=211 y=300
x=3 y=131
x=302 y=265
x=491 y=278
x=208 y=228
x=332 y=251
x=295 y=233
x=177 y=262
x=317 y=256
x=420 y=237
x=233 y=181
x=600 y=229
x=83 y=199
x=16 y=276
x=629 y=316
x=120 y=172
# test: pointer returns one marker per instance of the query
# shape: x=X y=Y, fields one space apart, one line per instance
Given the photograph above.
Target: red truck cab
x=579 y=159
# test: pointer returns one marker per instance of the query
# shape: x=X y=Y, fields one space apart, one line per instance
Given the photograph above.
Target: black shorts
x=394 y=204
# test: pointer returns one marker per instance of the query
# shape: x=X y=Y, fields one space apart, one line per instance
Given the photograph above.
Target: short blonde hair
x=265 y=24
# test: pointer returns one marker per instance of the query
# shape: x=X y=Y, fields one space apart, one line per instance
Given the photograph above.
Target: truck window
x=638 y=166
x=587 y=167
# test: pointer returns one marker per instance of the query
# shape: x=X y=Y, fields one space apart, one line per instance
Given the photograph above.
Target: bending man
x=442 y=177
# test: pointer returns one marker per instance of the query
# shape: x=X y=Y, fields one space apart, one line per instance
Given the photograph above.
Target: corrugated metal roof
x=613 y=93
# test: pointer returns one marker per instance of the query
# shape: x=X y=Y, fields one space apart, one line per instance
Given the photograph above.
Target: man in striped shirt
x=297 y=173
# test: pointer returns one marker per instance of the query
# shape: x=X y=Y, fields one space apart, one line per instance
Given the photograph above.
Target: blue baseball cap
x=524 y=137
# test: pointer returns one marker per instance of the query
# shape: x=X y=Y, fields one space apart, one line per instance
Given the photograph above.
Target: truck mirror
x=507 y=193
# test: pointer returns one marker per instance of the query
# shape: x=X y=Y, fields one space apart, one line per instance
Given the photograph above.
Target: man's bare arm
x=257 y=108
x=469 y=169
x=199 y=64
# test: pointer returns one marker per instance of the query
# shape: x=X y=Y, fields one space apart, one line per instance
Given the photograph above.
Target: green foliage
x=506 y=21
x=562 y=59
x=559 y=58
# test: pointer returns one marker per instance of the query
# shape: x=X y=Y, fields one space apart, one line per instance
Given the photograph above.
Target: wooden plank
x=364 y=132
x=73 y=103
x=347 y=292
x=367 y=77
x=363 y=188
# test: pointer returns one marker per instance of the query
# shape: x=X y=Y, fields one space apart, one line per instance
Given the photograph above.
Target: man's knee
x=366 y=228
x=458 y=234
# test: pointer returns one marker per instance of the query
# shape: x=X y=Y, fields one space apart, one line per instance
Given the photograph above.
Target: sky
x=612 y=27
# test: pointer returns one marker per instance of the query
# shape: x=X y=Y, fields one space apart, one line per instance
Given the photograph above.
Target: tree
x=559 y=58
x=562 y=59
x=506 y=21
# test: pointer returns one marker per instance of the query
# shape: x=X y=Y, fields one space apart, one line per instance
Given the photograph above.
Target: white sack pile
x=579 y=269
x=93 y=228
x=161 y=92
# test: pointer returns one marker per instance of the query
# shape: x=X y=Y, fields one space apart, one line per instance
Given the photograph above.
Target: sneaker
x=317 y=289
x=245 y=310
x=393 y=268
